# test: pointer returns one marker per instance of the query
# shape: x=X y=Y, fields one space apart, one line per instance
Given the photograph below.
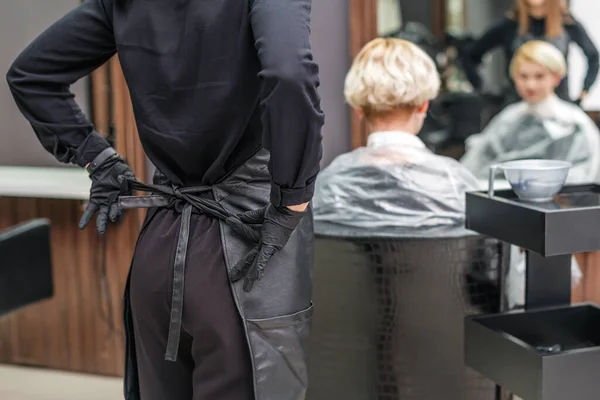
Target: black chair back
x=25 y=265
x=388 y=321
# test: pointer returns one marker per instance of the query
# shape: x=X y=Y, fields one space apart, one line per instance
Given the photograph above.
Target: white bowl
x=534 y=180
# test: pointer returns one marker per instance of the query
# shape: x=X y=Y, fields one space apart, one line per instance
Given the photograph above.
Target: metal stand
x=503 y=268
x=550 y=350
x=547 y=281
x=547 y=284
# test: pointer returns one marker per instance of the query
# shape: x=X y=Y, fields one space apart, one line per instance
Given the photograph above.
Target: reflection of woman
x=540 y=126
x=547 y=20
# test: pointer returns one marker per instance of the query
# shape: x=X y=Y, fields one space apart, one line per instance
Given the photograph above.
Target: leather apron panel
x=277 y=312
x=131 y=386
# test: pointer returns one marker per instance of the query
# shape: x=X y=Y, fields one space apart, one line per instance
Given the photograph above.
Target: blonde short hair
x=388 y=74
x=541 y=53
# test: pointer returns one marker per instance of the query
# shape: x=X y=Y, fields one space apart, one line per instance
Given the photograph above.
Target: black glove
x=278 y=223
x=108 y=183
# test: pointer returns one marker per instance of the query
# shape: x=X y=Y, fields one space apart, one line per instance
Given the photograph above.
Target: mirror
x=442 y=26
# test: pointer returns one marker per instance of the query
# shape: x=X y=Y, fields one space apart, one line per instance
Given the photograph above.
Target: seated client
x=541 y=125
x=395 y=181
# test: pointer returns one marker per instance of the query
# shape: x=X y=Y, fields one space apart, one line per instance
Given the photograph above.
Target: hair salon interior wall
x=586 y=12
x=20 y=22
x=330 y=42
x=481 y=15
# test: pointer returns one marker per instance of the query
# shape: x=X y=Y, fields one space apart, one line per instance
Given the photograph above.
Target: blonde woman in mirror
x=540 y=126
x=394 y=181
x=547 y=20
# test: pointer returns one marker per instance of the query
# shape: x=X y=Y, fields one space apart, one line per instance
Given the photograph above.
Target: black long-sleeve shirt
x=506 y=32
x=210 y=82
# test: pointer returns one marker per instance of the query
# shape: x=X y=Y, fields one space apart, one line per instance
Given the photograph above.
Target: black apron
x=276 y=313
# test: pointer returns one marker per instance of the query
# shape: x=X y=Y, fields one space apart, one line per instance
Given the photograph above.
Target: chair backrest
x=25 y=265
x=389 y=314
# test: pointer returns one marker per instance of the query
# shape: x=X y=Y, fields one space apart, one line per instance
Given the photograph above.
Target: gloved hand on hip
x=278 y=224
x=108 y=183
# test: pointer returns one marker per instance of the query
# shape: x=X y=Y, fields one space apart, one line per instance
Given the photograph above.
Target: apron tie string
x=184 y=199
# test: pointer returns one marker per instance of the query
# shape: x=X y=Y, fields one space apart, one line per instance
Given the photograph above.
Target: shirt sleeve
x=491 y=39
x=292 y=117
x=40 y=79
x=582 y=39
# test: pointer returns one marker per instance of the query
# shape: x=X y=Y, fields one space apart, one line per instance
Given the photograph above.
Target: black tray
x=503 y=347
x=569 y=224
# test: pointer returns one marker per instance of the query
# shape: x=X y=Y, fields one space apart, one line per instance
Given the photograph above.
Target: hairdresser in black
x=218 y=301
x=548 y=20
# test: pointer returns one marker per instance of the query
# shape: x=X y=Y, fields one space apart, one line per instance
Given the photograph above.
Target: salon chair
x=452 y=118
x=25 y=265
x=389 y=311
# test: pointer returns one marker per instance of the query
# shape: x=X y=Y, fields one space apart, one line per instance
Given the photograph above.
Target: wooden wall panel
x=100 y=92
x=363 y=28
x=589 y=288
x=80 y=329
x=439 y=17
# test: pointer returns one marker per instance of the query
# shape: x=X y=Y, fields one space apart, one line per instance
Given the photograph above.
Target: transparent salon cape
x=383 y=188
x=402 y=189
x=554 y=129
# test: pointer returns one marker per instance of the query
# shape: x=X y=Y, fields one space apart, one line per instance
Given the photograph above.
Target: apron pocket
x=280 y=349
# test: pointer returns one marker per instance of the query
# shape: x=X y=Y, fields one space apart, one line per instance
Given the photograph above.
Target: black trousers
x=213 y=361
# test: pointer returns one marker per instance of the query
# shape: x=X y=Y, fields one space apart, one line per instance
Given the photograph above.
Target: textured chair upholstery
x=389 y=312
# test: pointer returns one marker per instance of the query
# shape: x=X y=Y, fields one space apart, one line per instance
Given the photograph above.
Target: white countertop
x=44 y=182
x=74 y=183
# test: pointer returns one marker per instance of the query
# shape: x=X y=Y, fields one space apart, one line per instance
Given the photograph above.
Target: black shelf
x=513 y=349
x=569 y=224
x=550 y=350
